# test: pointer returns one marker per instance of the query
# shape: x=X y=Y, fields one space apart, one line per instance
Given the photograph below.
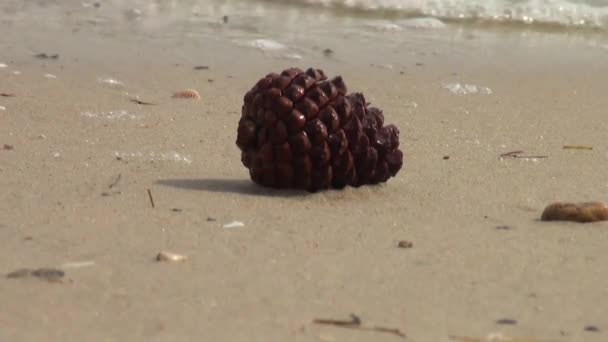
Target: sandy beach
x=79 y=157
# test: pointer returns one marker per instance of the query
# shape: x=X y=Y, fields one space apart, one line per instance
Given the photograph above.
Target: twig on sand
x=115 y=182
x=518 y=154
x=142 y=102
x=151 y=199
x=577 y=147
x=355 y=323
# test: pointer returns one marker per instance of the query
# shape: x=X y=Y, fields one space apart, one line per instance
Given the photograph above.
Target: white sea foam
x=591 y=13
x=111 y=115
x=154 y=156
x=266 y=45
x=466 y=89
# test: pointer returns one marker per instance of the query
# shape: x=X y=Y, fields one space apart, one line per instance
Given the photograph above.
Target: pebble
x=578 y=212
x=405 y=244
x=170 y=257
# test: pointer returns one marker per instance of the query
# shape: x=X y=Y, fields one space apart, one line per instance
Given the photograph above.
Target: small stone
x=405 y=244
x=592 y=328
x=211 y=219
x=446 y=157
x=165 y=256
x=8 y=147
x=582 y=212
x=328 y=52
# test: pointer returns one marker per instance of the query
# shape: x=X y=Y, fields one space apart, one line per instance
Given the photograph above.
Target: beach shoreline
x=83 y=156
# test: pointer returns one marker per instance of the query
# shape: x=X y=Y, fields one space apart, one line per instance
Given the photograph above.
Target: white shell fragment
x=2 y=65
x=50 y=76
x=234 y=224
x=165 y=256
x=77 y=264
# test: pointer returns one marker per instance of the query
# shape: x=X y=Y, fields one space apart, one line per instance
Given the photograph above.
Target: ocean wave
x=592 y=14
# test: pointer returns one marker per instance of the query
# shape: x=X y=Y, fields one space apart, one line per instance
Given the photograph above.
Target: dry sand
x=66 y=197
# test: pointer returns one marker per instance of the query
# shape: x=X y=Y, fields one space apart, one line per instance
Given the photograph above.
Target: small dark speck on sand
x=201 y=67
x=328 y=52
x=503 y=227
x=177 y=210
x=446 y=157
x=405 y=244
x=506 y=321
x=211 y=219
x=592 y=328
x=8 y=147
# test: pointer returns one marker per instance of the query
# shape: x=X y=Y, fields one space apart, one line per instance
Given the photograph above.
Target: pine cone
x=300 y=130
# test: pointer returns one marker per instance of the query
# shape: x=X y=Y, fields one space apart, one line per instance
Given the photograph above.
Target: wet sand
x=479 y=251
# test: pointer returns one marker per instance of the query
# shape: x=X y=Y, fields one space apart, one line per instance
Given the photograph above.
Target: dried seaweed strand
x=355 y=323
x=151 y=199
x=577 y=147
x=143 y=102
x=517 y=154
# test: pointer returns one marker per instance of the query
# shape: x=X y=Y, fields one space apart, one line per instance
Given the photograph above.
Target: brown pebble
x=405 y=244
x=592 y=328
x=189 y=94
x=577 y=212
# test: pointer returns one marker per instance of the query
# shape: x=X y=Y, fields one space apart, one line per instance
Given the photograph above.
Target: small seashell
x=170 y=257
x=577 y=212
x=189 y=94
x=2 y=65
x=234 y=224
x=50 y=76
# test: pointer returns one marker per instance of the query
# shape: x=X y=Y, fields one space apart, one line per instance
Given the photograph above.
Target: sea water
x=297 y=29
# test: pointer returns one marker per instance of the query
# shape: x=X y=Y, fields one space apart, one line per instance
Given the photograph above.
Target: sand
x=74 y=189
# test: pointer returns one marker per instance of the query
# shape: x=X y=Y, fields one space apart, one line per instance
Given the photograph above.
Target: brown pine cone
x=300 y=130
